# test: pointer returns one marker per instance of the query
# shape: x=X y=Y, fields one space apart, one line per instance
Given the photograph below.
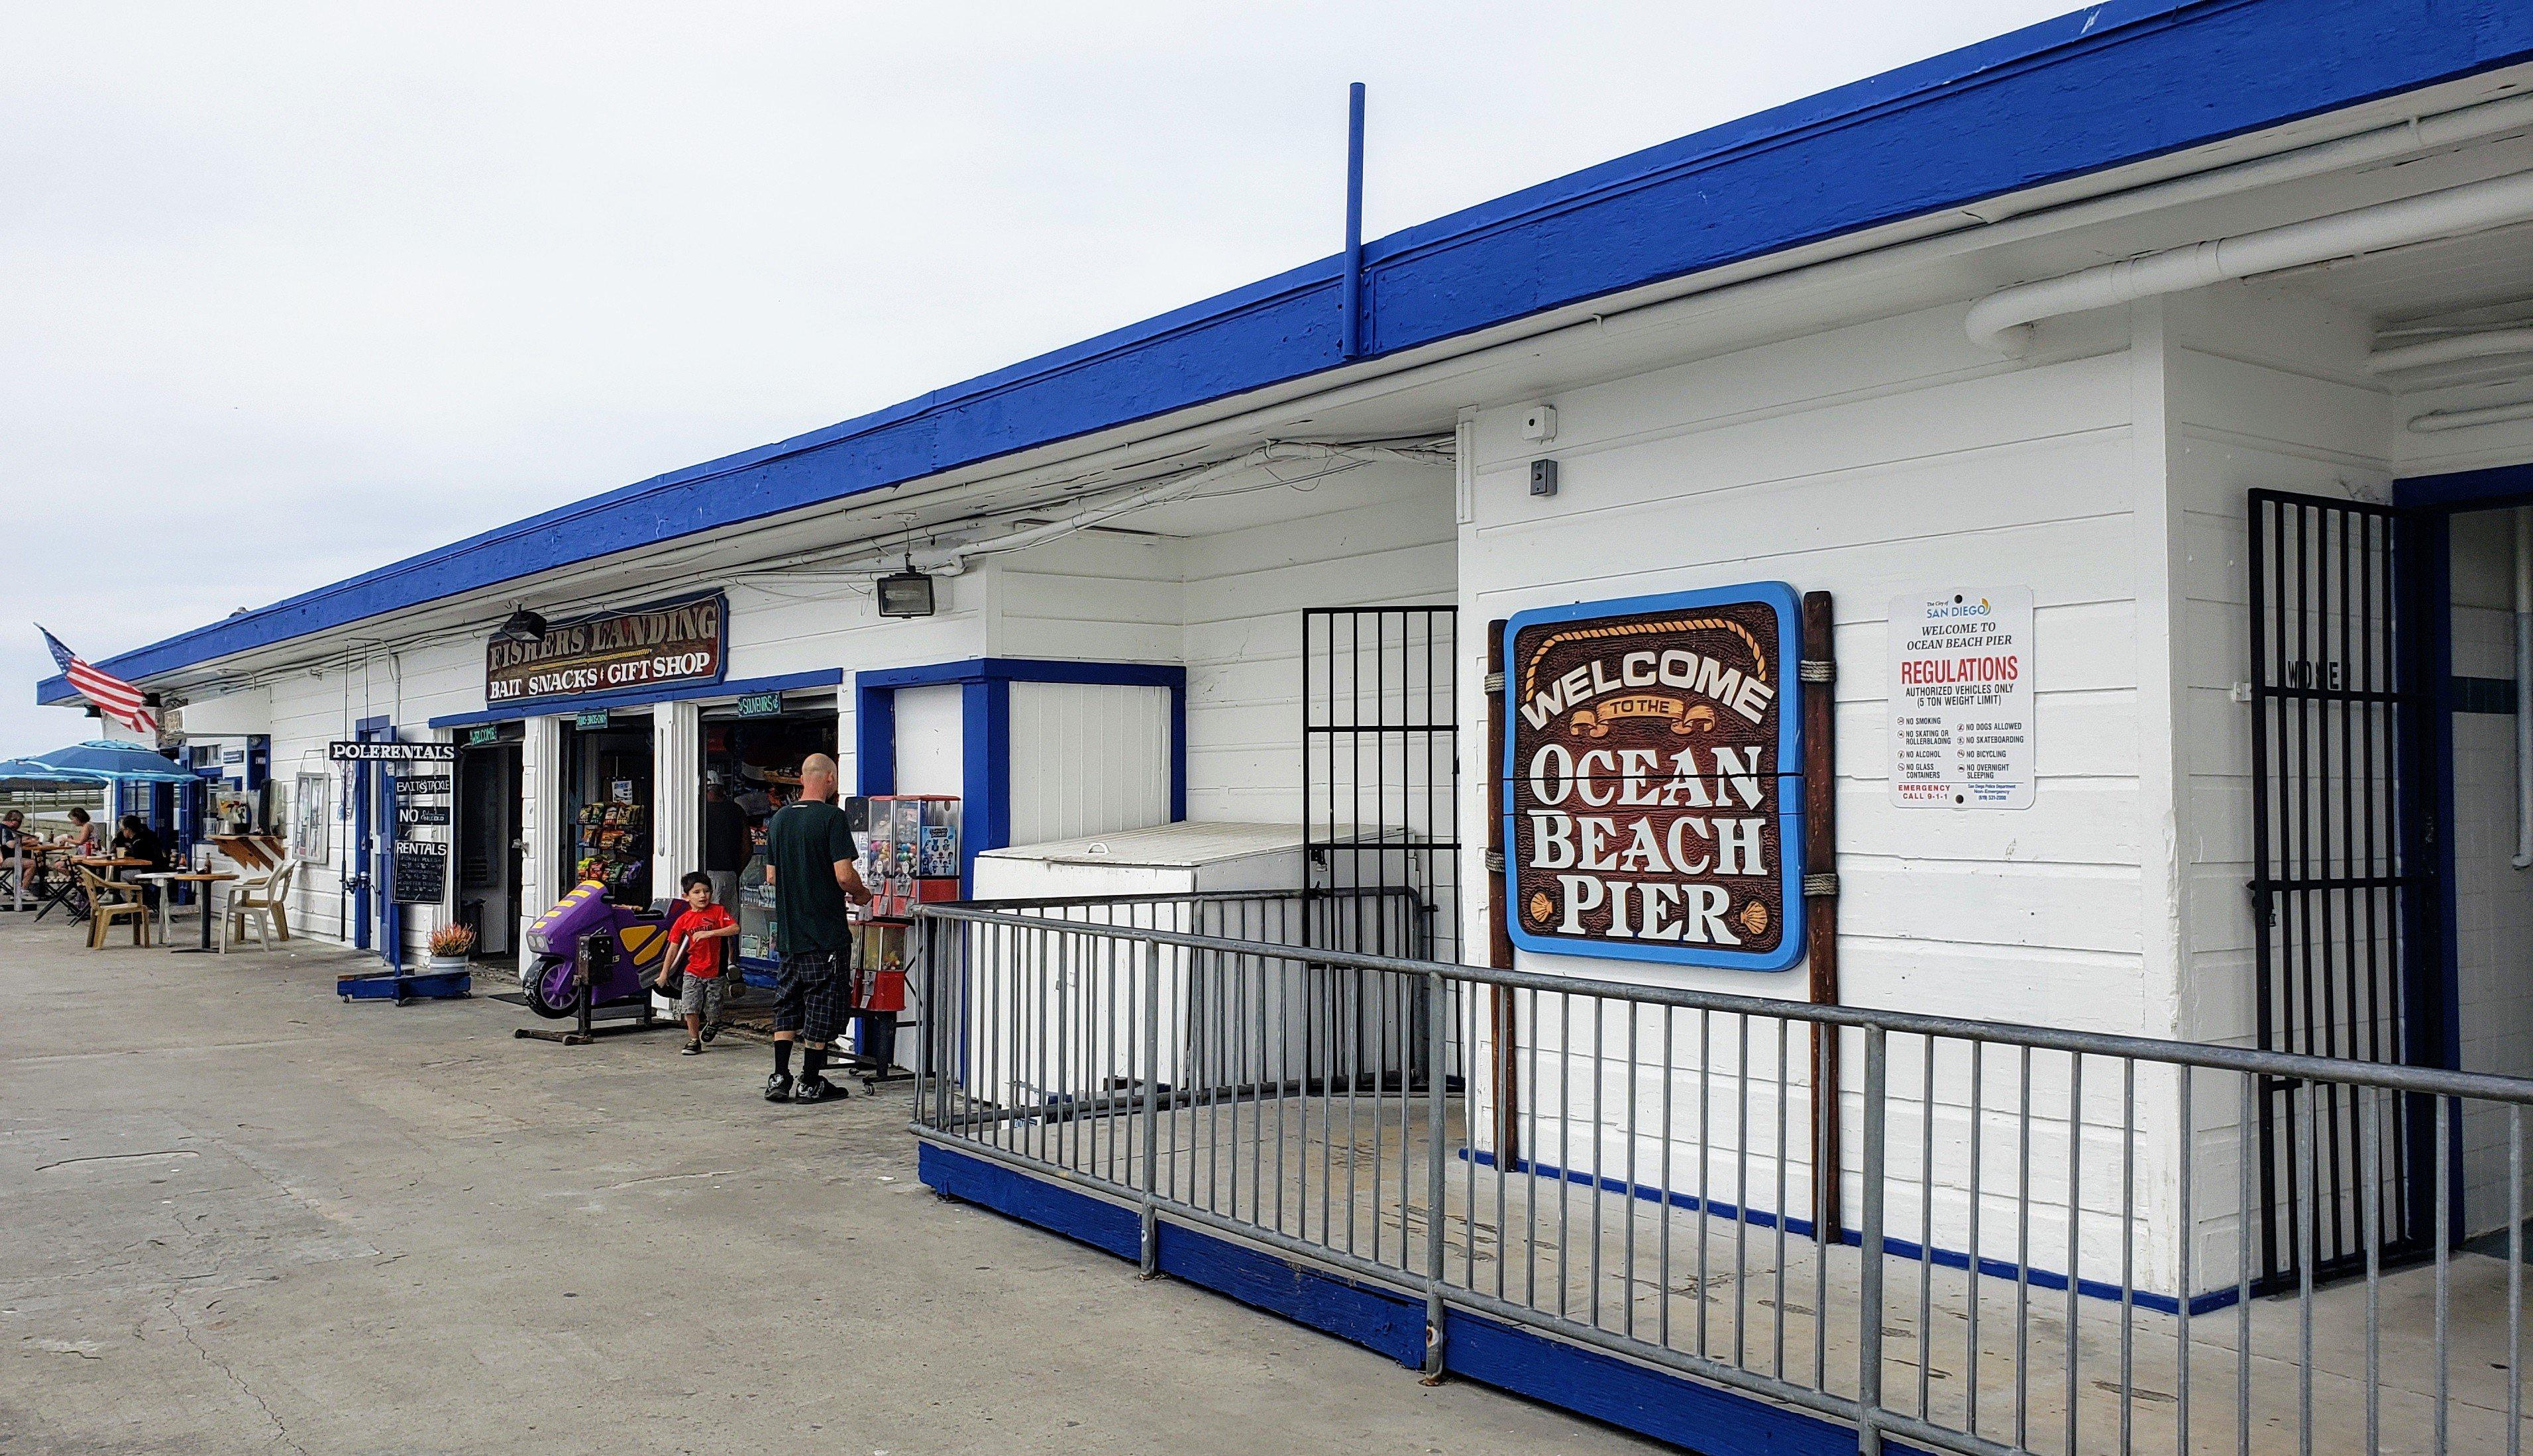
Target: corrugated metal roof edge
x=2097 y=89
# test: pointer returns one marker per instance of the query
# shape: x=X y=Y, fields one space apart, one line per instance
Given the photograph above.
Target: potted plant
x=450 y=947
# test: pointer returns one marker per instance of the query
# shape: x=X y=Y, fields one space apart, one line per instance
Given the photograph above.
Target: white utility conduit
x=2003 y=320
x=2524 y=687
x=2436 y=421
x=2497 y=343
x=952 y=561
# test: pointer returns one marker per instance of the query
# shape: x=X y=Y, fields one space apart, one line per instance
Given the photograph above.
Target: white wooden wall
x=1874 y=461
x=1227 y=604
x=930 y=738
x=1088 y=759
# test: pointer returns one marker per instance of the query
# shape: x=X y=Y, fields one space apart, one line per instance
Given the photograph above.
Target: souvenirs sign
x=675 y=642
x=1653 y=778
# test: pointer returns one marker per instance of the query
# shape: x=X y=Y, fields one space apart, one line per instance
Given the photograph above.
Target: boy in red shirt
x=697 y=936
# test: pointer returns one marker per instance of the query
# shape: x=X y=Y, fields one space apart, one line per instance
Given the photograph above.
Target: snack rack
x=909 y=846
x=615 y=845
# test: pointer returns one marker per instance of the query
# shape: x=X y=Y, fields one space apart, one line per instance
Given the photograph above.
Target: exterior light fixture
x=522 y=625
x=906 y=593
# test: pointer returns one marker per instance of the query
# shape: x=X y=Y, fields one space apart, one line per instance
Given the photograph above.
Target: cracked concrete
x=244 y=1217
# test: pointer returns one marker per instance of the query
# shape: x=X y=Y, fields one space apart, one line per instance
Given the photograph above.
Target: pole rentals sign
x=1653 y=778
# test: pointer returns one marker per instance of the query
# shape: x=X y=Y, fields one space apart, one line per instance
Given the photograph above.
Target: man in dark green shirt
x=811 y=863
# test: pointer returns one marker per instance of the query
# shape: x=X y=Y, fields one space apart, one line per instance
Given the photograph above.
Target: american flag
x=114 y=697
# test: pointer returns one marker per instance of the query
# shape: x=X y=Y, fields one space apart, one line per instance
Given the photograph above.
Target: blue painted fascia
x=1633 y=1397
x=2465 y=489
x=2106 y=87
x=643 y=697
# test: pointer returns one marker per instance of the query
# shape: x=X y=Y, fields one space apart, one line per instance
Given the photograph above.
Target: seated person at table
x=82 y=834
x=13 y=828
x=137 y=841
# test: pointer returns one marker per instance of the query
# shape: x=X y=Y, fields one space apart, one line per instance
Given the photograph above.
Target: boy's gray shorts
x=698 y=997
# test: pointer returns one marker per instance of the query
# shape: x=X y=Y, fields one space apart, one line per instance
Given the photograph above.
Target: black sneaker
x=819 y=1089
x=711 y=1031
x=778 y=1087
x=692 y=1049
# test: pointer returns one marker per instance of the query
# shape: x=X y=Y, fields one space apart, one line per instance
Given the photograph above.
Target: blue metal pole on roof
x=1354 y=223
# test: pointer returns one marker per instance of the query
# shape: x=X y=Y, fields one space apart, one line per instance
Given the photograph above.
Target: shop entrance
x=2488 y=850
x=490 y=850
x=2393 y=898
x=751 y=767
x=606 y=802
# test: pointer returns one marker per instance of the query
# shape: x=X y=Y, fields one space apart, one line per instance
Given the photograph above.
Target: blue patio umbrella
x=104 y=759
x=26 y=771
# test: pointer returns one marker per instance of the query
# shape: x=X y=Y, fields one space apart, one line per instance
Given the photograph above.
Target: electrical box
x=1539 y=421
x=1543 y=476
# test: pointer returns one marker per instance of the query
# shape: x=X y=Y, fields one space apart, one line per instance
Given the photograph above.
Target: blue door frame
x=371 y=858
x=985 y=701
x=2427 y=505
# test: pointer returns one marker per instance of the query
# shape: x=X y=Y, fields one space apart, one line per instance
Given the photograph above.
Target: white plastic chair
x=263 y=903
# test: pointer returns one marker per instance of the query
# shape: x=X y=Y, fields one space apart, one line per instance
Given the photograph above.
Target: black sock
x=812 y=1061
x=782 y=1058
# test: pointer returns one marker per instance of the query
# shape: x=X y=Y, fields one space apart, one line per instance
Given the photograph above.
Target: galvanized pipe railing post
x=1435 y=1214
x=1151 y=1260
x=1868 y=1312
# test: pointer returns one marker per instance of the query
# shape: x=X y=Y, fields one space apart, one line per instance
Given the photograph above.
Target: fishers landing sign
x=1653 y=803
x=673 y=643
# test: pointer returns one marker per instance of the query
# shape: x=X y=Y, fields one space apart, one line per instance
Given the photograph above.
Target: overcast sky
x=289 y=292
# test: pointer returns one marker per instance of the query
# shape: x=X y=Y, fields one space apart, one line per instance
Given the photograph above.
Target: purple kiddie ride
x=587 y=951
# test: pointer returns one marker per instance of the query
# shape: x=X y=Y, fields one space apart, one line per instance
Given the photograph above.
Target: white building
x=2042 y=315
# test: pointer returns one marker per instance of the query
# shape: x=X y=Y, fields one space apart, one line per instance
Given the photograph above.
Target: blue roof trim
x=2102 y=87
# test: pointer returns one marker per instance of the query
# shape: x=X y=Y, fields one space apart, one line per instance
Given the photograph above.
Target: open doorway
x=2490 y=900
x=607 y=805
x=491 y=849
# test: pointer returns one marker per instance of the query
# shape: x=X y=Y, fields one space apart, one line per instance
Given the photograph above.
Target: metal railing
x=2048 y=1249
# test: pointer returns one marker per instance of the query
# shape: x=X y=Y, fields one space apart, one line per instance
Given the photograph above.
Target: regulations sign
x=347 y=750
x=1652 y=779
x=1961 y=698
x=674 y=642
x=408 y=815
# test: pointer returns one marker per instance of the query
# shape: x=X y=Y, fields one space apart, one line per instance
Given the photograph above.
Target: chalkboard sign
x=412 y=785
x=421 y=872
x=411 y=814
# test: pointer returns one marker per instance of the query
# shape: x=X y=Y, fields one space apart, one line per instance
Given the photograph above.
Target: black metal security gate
x=2339 y=871
x=1381 y=777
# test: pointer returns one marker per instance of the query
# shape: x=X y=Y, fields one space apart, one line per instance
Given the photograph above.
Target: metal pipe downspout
x=2523 y=686
x=2002 y=321
x=1352 y=291
x=2495 y=343
x=2437 y=421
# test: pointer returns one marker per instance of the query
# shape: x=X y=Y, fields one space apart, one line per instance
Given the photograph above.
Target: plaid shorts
x=699 y=996
x=810 y=993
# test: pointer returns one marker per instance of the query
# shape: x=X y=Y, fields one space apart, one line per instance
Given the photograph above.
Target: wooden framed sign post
x=1653 y=771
